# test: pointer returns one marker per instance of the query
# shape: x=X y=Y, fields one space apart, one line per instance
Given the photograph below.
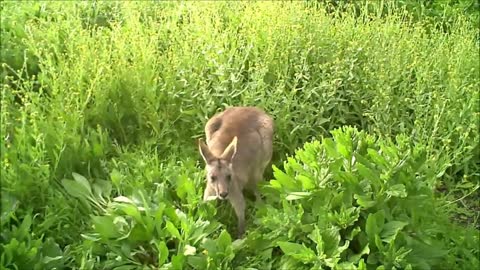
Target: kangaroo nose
x=223 y=194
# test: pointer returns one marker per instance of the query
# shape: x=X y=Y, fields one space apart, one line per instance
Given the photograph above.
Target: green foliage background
x=102 y=102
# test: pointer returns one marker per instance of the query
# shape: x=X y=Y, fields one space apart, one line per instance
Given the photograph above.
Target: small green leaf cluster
x=22 y=249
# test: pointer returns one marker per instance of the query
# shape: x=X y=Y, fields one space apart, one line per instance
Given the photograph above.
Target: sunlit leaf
x=104 y=226
x=390 y=230
x=297 y=251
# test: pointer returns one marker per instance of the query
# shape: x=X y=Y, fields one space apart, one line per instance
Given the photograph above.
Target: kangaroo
x=237 y=152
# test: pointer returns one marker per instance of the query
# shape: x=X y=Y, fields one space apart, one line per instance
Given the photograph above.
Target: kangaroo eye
x=229 y=178
x=213 y=178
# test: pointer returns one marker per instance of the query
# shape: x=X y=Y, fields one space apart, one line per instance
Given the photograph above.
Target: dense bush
x=356 y=202
x=111 y=96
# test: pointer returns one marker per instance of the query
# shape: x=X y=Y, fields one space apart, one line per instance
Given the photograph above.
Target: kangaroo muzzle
x=223 y=195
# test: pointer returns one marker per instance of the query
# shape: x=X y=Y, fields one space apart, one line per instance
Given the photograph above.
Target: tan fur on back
x=254 y=131
x=237 y=151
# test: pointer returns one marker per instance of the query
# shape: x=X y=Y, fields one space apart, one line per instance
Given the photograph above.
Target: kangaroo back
x=238 y=149
x=253 y=129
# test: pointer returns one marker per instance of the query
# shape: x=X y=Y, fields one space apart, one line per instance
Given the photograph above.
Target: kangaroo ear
x=230 y=151
x=205 y=151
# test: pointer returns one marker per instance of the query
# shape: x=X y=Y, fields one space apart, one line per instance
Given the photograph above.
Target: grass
x=119 y=91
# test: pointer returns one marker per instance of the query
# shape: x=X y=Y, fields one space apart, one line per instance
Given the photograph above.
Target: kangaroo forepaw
x=240 y=233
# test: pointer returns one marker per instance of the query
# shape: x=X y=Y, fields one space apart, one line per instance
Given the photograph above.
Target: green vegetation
x=376 y=162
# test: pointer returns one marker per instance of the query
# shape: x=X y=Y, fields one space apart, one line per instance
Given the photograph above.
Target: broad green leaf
x=378 y=242
x=139 y=233
x=365 y=201
x=23 y=230
x=126 y=249
x=347 y=179
x=200 y=231
x=102 y=188
x=178 y=261
x=329 y=146
x=51 y=249
x=198 y=261
x=297 y=251
x=83 y=181
x=265 y=254
x=366 y=163
x=209 y=245
x=377 y=158
x=185 y=224
x=425 y=251
x=162 y=252
x=316 y=236
x=368 y=174
x=105 y=227
x=274 y=184
x=116 y=177
x=238 y=244
x=224 y=240
x=76 y=189
x=293 y=166
x=397 y=191
x=181 y=216
x=374 y=225
x=98 y=149
x=185 y=187
x=284 y=179
x=343 y=145
x=307 y=182
x=130 y=210
x=170 y=212
x=337 y=200
x=172 y=229
x=391 y=229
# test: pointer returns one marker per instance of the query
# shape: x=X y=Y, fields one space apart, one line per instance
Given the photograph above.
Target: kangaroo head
x=219 y=168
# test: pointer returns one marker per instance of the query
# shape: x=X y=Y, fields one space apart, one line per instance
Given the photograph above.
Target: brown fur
x=238 y=150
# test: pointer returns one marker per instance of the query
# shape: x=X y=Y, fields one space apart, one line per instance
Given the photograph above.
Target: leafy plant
x=358 y=202
x=138 y=231
x=22 y=249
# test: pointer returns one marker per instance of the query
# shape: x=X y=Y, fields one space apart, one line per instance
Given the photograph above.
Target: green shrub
x=22 y=249
x=357 y=202
x=167 y=228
